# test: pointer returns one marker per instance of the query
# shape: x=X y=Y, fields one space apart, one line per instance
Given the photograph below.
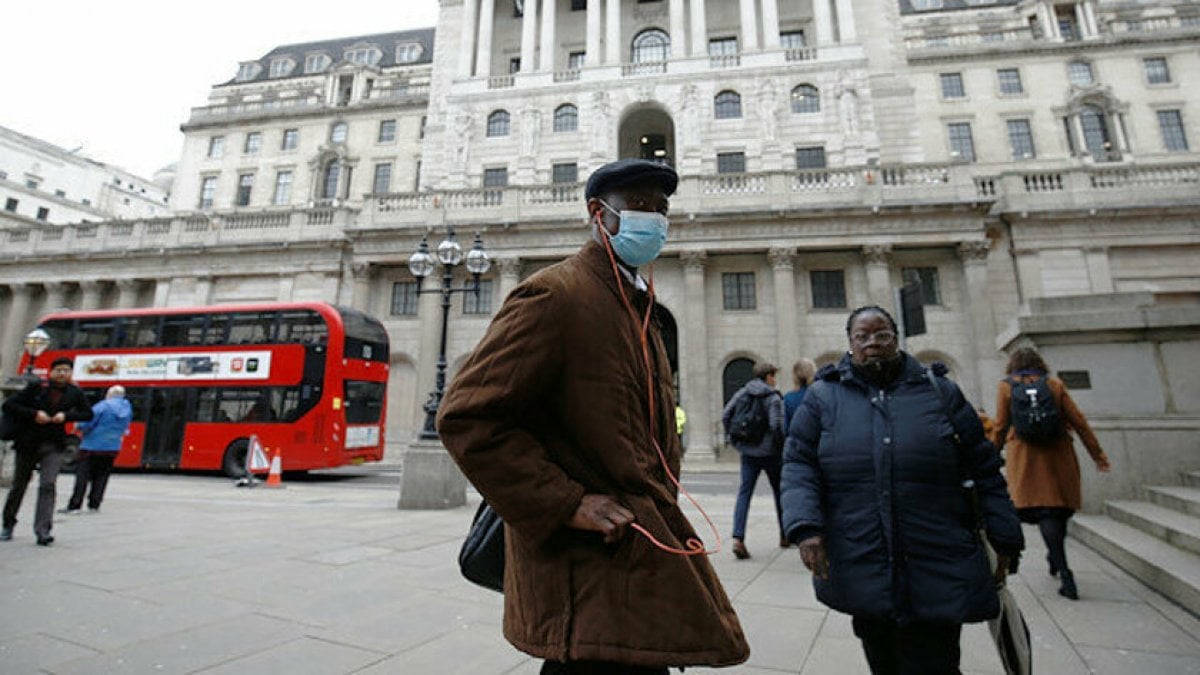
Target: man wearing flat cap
x=558 y=418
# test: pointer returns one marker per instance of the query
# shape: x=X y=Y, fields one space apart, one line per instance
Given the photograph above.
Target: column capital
x=878 y=254
x=54 y=286
x=361 y=270
x=126 y=285
x=509 y=266
x=90 y=285
x=1097 y=249
x=22 y=289
x=694 y=261
x=782 y=258
x=974 y=251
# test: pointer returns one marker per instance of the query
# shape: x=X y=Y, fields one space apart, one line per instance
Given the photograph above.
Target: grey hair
x=115 y=391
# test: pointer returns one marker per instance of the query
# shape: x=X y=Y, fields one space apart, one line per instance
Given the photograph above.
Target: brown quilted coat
x=552 y=405
x=1044 y=474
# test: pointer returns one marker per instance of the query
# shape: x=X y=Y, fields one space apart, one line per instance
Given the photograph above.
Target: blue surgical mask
x=641 y=237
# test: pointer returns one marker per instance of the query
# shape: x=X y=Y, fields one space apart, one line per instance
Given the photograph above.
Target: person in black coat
x=873 y=474
x=42 y=409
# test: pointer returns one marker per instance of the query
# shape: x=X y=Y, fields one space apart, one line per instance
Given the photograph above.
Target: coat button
x=887 y=439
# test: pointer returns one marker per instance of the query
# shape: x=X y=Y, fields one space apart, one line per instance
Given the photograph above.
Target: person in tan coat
x=1043 y=476
x=563 y=419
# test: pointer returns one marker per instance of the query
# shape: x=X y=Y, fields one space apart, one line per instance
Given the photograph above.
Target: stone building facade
x=829 y=151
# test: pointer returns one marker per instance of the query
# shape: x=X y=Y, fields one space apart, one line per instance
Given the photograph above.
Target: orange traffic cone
x=275 y=477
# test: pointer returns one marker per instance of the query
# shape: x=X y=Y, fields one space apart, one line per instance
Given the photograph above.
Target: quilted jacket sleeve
x=803 y=515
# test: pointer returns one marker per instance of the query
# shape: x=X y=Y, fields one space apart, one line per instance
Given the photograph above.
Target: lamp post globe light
x=36 y=342
x=422 y=264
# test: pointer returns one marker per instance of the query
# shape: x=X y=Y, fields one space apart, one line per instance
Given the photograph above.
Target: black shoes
x=739 y=550
x=1068 y=589
x=6 y=534
x=45 y=541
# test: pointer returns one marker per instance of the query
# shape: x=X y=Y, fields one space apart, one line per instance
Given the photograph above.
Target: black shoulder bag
x=481 y=558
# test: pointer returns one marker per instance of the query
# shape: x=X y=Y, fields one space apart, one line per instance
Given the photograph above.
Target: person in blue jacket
x=102 y=438
x=874 y=466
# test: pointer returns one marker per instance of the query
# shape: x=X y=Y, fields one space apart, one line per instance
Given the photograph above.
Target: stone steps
x=1156 y=539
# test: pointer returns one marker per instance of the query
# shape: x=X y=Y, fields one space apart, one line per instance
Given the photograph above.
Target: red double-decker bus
x=307 y=378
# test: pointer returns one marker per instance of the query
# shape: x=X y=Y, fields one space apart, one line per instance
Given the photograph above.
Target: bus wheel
x=234 y=462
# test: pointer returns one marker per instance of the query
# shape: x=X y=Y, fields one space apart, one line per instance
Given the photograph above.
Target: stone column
x=202 y=295
x=487 y=25
x=549 y=36
x=287 y=286
x=361 y=292
x=529 y=35
x=510 y=275
x=162 y=291
x=1089 y=9
x=981 y=323
x=879 y=279
x=1081 y=147
x=612 y=31
x=56 y=292
x=786 y=322
x=1049 y=20
x=592 y=57
x=1117 y=122
x=847 y=32
x=770 y=21
x=678 y=30
x=749 y=16
x=466 y=50
x=90 y=290
x=698 y=396
x=16 y=325
x=1085 y=30
x=1099 y=271
x=823 y=17
x=699 y=28
x=127 y=293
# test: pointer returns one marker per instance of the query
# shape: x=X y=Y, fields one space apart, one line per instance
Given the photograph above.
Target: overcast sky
x=118 y=78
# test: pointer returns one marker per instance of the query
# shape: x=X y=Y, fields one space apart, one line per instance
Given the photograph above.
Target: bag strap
x=968 y=483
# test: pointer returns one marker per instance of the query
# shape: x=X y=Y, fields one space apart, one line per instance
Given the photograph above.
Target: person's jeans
x=48 y=458
x=912 y=649
x=92 y=469
x=751 y=466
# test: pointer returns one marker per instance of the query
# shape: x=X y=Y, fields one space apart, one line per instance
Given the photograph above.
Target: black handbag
x=481 y=559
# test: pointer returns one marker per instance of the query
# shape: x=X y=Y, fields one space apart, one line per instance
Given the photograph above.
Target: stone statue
x=600 y=124
x=847 y=99
x=768 y=108
x=459 y=141
x=689 y=109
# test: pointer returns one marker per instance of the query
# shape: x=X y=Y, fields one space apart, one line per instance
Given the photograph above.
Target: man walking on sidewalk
x=102 y=438
x=42 y=409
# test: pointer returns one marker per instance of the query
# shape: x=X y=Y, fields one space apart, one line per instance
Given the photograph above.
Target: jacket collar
x=912 y=371
x=595 y=260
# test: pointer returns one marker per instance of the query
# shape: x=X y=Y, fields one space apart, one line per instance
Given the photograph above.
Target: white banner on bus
x=362 y=437
x=187 y=366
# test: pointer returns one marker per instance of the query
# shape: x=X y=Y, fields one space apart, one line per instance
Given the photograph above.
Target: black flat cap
x=626 y=172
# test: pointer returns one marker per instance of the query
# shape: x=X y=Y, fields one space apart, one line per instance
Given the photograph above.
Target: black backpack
x=1034 y=415
x=749 y=423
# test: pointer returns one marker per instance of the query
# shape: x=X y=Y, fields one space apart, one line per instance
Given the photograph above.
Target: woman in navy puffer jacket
x=872 y=492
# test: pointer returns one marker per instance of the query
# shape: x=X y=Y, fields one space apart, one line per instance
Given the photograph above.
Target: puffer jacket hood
x=110 y=421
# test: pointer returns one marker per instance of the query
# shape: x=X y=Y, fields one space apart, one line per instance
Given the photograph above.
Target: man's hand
x=40 y=417
x=812 y=553
x=603 y=514
x=59 y=418
x=1102 y=465
x=1002 y=564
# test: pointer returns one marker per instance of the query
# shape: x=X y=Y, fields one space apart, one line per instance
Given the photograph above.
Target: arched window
x=337 y=133
x=566 y=118
x=727 y=105
x=329 y=180
x=736 y=375
x=1095 y=132
x=651 y=46
x=806 y=99
x=498 y=123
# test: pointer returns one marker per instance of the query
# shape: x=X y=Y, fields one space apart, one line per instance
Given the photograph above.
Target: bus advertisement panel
x=308 y=379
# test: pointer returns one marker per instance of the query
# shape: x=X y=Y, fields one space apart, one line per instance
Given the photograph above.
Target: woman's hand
x=1102 y=464
x=812 y=554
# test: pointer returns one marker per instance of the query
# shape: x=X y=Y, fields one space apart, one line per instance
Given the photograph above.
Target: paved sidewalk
x=184 y=574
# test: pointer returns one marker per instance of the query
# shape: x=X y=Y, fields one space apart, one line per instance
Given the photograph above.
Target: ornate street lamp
x=421 y=264
x=36 y=342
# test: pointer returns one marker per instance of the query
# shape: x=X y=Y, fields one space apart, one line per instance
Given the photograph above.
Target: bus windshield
x=365 y=336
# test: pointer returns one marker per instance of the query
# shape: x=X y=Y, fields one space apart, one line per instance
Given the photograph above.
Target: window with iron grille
x=1170 y=122
x=952 y=85
x=1010 y=81
x=1156 y=70
x=738 y=289
x=731 y=162
x=1020 y=138
x=927 y=277
x=828 y=288
x=962 y=145
x=565 y=173
x=651 y=46
x=566 y=118
x=727 y=105
x=496 y=177
x=806 y=99
x=481 y=303
x=810 y=157
x=498 y=123
x=404 y=298
x=383 y=178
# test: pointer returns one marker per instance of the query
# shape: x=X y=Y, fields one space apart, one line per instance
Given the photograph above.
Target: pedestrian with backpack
x=1034 y=413
x=753 y=421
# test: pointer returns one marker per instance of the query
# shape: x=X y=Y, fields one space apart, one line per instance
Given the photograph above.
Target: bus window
x=364 y=402
x=365 y=336
x=137 y=398
x=94 y=334
x=206 y=409
x=251 y=328
x=59 y=331
x=303 y=327
x=138 y=331
x=218 y=330
x=245 y=405
x=286 y=401
x=184 y=330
